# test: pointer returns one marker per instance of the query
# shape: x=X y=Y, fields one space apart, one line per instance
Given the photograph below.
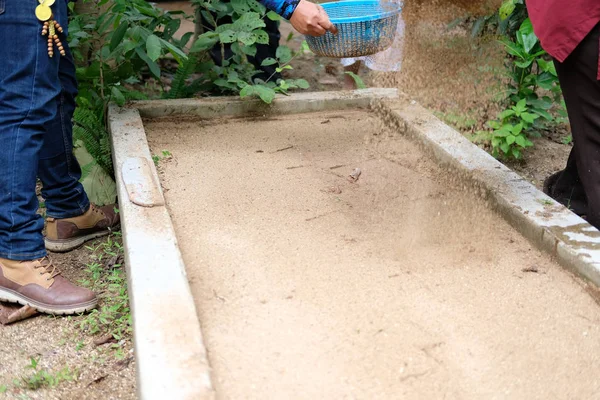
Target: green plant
x=567 y=139
x=237 y=74
x=166 y=155
x=106 y=276
x=357 y=80
x=509 y=132
x=120 y=47
x=532 y=95
x=117 y=45
x=43 y=378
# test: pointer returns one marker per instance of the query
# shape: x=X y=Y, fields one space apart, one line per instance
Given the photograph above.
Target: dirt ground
x=396 y=285
x=70 y=365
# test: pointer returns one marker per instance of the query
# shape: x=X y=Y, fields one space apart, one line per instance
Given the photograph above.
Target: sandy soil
x=399 y=285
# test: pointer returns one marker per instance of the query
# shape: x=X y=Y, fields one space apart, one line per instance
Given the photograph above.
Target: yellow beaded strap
x=44 y=14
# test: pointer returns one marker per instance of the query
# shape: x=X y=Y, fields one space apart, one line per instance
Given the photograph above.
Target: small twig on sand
x=108 y=338
x=285 y=148
x=321 y=215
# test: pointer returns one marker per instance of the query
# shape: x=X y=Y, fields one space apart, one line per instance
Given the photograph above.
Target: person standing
x=37 y=100
x=569 y=30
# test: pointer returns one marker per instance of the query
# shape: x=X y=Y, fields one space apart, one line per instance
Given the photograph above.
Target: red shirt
x=562 y=24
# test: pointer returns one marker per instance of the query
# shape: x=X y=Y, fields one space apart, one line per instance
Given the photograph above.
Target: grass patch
x=107 y=278
x=41 y=378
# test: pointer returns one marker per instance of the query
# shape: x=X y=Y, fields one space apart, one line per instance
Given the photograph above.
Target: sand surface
x=399 y=285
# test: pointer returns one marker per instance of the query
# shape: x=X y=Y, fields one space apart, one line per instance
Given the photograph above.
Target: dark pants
x=578 y=185
x=37 y=100
x=263 y=51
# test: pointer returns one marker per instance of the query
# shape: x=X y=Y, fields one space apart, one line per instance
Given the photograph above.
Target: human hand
x=311 y=19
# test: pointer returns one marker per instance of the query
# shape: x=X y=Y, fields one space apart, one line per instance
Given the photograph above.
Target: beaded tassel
x=50 y=27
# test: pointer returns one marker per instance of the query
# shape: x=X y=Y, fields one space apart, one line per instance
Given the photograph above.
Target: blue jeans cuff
x=24 y=256
x=83 y=208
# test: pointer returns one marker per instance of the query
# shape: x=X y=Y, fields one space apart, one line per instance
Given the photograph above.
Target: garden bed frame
x=169 y=349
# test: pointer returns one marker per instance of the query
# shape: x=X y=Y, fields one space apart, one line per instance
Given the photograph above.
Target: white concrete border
x=214 y=107
x=170 y=353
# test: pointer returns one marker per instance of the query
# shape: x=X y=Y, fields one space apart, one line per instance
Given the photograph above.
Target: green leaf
x=546 y=66
x=153 y=47
x=506 y=9
x=117 y=96
x=268 y=61
x=524 y=64
x=360 y=84
x=544 y=103
x=544 y=114
x=510 y=139
x=528 y=36
x=516 y=153
x=284 y=67
x=261 y=37
x=521 y=106
x=273 y=16
x=504 y=131
x=248 y=38
x=301 y=83
x=546 y=80
x=505 y=114
x=494 y=124
x=185 y=38
x=248 y=22
x=505 y=147
x=154 y=68
x=204 y=42
x=283 y=54
x=240 y=6
x=265 y=93
x=283 y=85
x=248 y=50
x=118 y=36
x=528 y=117
x=305 y=48
x=520 y=140
x=247 y=91
x=229 y=36
x=512 y=48
x=517 y=129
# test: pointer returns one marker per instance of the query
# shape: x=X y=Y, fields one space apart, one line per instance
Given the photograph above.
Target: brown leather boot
x=38 y=284
x=69 y=233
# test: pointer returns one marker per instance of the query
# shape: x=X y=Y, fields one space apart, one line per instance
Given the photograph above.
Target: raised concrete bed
x=170 y=351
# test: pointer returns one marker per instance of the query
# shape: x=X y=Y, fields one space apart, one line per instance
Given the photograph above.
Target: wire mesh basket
x=365 y=27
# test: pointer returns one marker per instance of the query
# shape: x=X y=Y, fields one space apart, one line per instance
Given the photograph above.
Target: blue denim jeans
x=37 y=100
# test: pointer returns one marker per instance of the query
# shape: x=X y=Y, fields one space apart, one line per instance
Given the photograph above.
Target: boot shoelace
x=48 y=267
